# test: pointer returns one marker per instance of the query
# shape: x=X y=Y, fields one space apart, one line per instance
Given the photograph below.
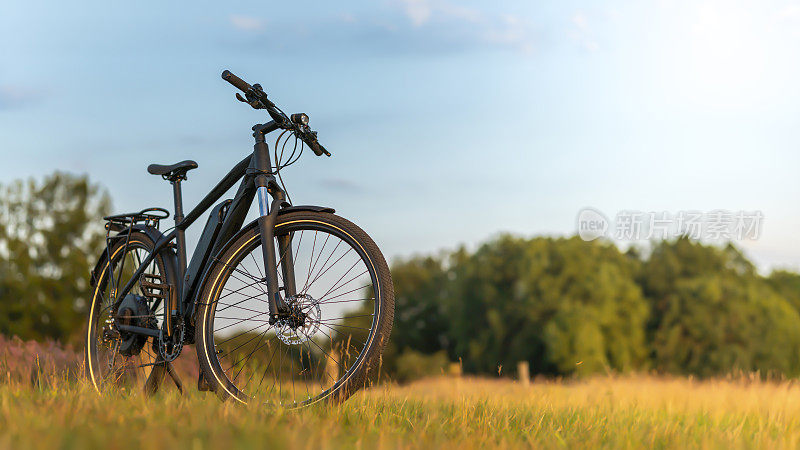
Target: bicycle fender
x=169 y=256
x=313 y=208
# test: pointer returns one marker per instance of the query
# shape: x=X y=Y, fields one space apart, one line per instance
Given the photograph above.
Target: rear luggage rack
x=154 y=287
x=150 y=217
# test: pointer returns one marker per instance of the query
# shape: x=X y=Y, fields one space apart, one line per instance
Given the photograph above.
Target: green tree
x=787 y=285
x=484 y=310
x=565 y=305
x=681 y=259
x=421 y=285
x=717 y=324
x=50 y=236
x=712 y=313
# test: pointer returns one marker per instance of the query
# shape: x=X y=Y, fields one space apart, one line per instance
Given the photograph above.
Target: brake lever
x=257 y=99
x=254 y=103
x=309 y=136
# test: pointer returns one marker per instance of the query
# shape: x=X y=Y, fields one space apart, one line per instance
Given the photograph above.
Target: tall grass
x=622 y=412
x=61 y=411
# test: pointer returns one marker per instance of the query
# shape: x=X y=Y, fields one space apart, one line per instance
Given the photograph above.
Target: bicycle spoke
x=321 y=273
x=332 y=290
x=311 y=270
x=326 y=302
x=243 y=344
x=241 y=272
x=340 y=279
x=236 y=305
x=242 y=320
x=217 y=344
x=249 y=355
x=266 y=368
x=231 y=292
x=257 y=266
x=249 y=318
x=313 y=247
x=327 y=324
x=345 y=293
x=249 y=276
x=341 y=366
x=350 y=317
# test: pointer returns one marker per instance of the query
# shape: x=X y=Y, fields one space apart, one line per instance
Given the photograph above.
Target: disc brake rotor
x=305 y=307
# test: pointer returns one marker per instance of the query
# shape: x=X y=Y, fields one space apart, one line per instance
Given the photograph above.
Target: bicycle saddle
x=173 y=171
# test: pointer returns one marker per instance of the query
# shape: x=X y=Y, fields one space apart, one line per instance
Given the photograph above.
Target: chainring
x=170 y=348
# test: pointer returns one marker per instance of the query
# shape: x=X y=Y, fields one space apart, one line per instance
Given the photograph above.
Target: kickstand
x=174 y=375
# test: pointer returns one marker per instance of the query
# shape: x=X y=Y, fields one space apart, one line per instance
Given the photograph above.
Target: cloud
x=789 y=17
x=514 y=33
x=418 y=11
x=246 y=23
x=407 y=27
x=580 y=21
x=581 y=32
x=341 y=185
x=13 y=97
x=348 y=18
x=470 y=23
x=791 y=12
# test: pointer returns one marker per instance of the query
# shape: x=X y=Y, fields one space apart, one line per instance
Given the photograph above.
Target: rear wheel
x=340 y=320
x=115 y=360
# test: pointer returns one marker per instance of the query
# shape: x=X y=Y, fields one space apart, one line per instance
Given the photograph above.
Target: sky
x=449 y=122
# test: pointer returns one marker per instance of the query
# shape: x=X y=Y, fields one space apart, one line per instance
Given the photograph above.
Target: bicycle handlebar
x=256 y=98
x=237 y=82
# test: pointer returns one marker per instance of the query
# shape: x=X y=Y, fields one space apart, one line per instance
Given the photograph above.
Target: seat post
x=181 y=234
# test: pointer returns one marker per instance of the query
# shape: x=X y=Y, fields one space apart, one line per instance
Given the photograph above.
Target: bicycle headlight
x=300 y=118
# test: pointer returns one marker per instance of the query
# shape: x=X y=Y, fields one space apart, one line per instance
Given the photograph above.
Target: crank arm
x=138 y=330
x=174 y=375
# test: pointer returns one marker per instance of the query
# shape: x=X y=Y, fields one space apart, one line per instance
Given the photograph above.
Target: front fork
x=268 y=214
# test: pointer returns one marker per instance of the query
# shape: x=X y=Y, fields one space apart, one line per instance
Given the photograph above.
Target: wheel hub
x=133 y=311
x=301 y=322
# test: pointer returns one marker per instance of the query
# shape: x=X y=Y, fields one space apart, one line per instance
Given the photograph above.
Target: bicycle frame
x=257 y=177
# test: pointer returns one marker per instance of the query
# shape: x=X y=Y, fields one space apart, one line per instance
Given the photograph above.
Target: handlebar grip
x=318 y=149
x=235 y=81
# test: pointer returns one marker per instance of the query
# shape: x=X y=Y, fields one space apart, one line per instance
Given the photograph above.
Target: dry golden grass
x=618 y=412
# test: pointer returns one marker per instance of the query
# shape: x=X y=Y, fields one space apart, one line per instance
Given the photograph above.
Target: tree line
x=570 y=307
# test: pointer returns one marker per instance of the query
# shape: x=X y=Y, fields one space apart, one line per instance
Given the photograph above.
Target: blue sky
x=449 y=121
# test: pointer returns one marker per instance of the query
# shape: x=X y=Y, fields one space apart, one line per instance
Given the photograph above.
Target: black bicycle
x=291 y=309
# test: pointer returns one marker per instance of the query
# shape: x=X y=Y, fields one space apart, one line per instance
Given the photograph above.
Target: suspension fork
x=286 y=261
x=268 y=213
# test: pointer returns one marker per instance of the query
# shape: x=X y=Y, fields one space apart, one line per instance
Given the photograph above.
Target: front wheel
x=340 y=321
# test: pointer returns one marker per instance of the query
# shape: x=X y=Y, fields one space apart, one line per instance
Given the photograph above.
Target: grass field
x=446 y=412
